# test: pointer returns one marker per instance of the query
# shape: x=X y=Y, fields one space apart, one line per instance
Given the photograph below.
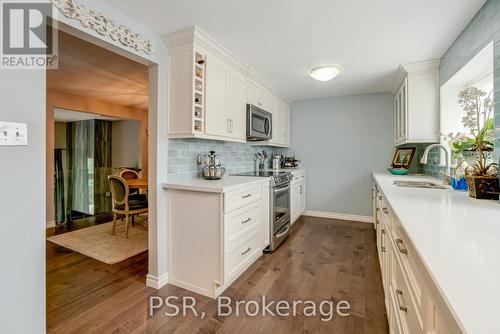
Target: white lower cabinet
x=297 y=194
x=413 y=302
x=214 y=237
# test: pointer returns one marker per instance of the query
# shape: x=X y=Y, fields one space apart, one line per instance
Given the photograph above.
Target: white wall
x=340 y=141
x=22 y=283
x=125 y=144
x=22 y=205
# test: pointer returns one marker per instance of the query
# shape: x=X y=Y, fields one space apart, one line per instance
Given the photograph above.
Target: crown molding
x=195 y=35
x=419 y=66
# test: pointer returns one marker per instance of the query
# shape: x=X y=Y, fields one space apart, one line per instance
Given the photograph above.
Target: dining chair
x=123 y=203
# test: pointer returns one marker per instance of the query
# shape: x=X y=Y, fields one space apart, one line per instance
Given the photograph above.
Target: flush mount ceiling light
x=325 y=73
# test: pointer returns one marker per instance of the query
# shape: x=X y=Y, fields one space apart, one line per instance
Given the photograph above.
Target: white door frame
x=157 y=127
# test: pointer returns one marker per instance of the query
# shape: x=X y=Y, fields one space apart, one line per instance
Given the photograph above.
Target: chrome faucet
x=447 y=173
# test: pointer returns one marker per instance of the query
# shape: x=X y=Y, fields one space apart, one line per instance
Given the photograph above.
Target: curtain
x=60 y=185
x=81 y=161
x=102 y=166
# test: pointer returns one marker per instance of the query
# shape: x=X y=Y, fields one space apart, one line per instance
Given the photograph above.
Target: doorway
x=97 y=126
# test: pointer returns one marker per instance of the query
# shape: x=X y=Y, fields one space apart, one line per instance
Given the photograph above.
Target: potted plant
x=474 y=150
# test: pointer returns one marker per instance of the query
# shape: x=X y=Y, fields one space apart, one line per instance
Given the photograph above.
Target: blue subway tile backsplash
x=235 y=157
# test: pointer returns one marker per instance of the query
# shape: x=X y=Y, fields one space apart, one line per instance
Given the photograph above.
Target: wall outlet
x=13 y=134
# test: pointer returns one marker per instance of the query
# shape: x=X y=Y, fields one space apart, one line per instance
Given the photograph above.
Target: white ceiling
x=284 y=39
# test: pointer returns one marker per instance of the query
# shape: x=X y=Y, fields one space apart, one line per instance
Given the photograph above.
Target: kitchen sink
x=419 y=184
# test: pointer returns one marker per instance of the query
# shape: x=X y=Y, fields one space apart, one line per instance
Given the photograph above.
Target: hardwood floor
x=323 y=259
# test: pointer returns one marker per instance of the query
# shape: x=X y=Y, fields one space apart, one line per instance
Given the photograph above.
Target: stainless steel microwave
x=259 y=123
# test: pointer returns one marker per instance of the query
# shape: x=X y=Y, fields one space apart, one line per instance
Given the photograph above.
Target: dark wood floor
x=322 y=259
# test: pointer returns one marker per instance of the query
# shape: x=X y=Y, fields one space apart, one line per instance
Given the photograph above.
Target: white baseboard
x=156 y=282
x=50 y=224
x=341 y=216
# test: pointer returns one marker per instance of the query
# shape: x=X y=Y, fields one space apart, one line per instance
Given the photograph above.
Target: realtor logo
x=29 y=38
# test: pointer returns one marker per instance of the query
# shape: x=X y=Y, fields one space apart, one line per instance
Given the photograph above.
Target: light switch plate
x=13 y=134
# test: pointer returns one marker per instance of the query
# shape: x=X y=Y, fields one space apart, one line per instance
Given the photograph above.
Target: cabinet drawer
x=241 y=221
x=406 y=308
x=385 y=212
x=238 y=198
x=410 y=263
x=241 y=255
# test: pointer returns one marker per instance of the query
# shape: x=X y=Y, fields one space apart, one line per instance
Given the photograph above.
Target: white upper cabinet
x=277 y=128
x=237 y=102
x=257 y=96
x=218 y=76
x=208 y=90
x=416 y=103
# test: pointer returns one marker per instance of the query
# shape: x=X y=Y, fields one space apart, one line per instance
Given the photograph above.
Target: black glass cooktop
x=265 y=173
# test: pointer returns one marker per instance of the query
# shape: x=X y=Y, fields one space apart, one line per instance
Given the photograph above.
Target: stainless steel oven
x=280 y=210
x=259 y=123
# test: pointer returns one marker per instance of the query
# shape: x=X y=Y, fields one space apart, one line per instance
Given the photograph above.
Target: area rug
x=98 y=243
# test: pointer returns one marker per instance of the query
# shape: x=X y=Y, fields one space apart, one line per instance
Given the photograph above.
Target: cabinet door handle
x=382 y=242
x=301 y=189
x=246 y=196
x=380 y=198
x=246 y=220
x=228 y=125
x=401 y=249
x=385 y=210
x=245 y=252
x=401 y=301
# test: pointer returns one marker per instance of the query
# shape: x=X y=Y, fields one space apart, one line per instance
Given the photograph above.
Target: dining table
x=137 y=183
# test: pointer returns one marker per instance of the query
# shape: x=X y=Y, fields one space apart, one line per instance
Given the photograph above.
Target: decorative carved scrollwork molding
x=103 y=25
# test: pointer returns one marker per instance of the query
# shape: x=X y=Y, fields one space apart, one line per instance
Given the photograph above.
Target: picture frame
x=403 y=157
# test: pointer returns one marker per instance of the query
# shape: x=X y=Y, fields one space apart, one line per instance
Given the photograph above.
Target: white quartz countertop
x=227 y=183
x=458 y=239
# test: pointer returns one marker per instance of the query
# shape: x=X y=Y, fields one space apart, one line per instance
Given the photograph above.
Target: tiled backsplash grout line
x=235 y=157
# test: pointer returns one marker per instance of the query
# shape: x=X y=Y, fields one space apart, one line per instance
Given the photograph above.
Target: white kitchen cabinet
x=413 y=302
x=208 y=90
x=416 y=103
x=216 y=98
x=215 y=236
x=286 y=123
x=275 y=110
x=257 y=96
x=297 y=194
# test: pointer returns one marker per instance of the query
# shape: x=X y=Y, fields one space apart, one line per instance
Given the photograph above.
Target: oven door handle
x=282 y=189
x=279 y=235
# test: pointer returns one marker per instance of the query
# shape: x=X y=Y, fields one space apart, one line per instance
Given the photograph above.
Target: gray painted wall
x=341 y=141
x=22 y=249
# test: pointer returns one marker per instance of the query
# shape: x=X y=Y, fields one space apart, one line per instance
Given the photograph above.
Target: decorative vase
x=483 y=187
x=472 y=157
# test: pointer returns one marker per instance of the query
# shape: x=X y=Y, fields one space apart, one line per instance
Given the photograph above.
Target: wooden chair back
x=129 y=174
x=119 y=189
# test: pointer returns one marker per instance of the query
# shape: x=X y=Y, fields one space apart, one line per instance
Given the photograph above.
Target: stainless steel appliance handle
x=283 y=233
x=282 y=189
x=267 y=126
